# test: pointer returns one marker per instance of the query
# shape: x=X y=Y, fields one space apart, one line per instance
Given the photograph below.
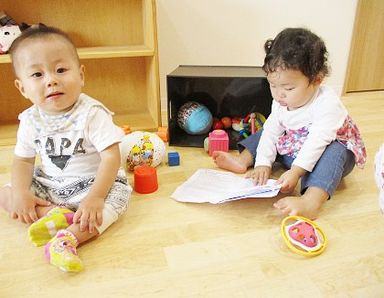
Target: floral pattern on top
x=349 y=135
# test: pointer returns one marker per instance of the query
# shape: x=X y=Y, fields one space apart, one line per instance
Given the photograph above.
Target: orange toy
x=126 y=129
x=162 y=132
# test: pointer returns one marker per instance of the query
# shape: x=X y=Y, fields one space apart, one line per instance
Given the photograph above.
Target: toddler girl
x=309 y=130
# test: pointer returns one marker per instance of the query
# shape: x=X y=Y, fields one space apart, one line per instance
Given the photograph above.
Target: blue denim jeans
x=335 y=163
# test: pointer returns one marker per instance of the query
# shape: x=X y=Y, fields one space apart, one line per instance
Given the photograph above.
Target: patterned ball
x=194 y=118
x=138 y=148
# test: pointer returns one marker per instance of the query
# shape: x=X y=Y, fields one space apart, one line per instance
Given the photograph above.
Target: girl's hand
x=260 y=175
x=23 y=207
x=89 y=214
x=288 y=181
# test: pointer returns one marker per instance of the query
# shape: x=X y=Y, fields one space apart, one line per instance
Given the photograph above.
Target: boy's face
x=48 y=73
x=291 y=88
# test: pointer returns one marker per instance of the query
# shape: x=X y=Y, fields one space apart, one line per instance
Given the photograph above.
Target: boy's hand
x=89 y=214
x=260 y=175
x=24 y=205
x=90 y=211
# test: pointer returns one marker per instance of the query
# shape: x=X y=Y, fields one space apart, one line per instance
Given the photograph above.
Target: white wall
x=233 y=32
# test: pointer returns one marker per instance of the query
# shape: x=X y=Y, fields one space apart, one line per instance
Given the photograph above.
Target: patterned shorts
x=69 y=191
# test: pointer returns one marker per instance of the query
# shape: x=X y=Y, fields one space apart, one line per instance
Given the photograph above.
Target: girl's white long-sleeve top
x=303 y=133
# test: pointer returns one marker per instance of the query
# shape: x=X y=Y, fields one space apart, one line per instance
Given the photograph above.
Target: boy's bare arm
x=89 y=214
x=22 y=171
x=107 y=171
x=23 y=206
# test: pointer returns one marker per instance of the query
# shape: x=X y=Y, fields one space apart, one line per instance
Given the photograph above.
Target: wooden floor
x=162 y=248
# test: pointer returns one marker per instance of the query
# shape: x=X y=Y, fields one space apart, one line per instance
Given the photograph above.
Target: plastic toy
x=145 y=179
x=9 y=31
x=255 y=121
x=217 y=124
x=218 y=140
x=194 y=118
x=259 y=121
x=236 y=124
x=223 y=123
x=303 y=236
x=227 y=122
x=253 y=124
x=7 y=35
x=206 y=144
x=173 y=159
x=244 y=133
x=138 y=148
x=6 y=20
x=249 y=125
x=242 y=126
x=126 y=129
x=162 y=132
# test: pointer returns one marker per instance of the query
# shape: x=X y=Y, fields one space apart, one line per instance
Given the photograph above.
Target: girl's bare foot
x=308 y=205
x=227 y=161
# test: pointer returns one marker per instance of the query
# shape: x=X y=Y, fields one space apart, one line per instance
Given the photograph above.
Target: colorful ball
x=194 y=118
x=139 y=148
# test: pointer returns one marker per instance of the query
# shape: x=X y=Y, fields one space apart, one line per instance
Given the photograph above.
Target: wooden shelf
x=105 y=52
x=116 y=42
x=5 y=58
x=113 y=52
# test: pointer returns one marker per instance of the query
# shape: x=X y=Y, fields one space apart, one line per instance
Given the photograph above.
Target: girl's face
x=49 y=74
x=291 y=88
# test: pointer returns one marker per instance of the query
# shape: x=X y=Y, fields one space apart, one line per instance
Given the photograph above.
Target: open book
x=212 y=186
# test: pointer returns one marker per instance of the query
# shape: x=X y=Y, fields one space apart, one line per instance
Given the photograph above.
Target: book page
x=214 y=187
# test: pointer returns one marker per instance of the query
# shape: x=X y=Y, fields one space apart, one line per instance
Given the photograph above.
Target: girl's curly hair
x=297 y=49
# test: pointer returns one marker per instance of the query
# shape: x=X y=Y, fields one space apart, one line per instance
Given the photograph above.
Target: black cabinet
x=233 y=91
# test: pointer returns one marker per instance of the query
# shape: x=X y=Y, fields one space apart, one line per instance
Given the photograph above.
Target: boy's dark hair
x=297 y=49
x=38 y=31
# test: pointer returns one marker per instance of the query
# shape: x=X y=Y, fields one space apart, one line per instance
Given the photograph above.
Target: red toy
x=227 y=122
x=217 y=124
x=145 y=179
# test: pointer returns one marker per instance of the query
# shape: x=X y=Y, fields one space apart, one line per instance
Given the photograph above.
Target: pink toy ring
x=303 y=236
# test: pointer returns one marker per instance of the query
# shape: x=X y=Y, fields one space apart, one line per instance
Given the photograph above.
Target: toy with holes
x=303 y=236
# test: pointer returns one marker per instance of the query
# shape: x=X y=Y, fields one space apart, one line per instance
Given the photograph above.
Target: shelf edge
x=104 y=52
